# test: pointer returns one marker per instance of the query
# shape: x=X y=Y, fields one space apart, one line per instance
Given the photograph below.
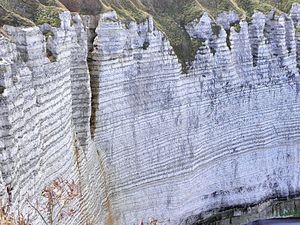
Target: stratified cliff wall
x=106 y=103
x=45 y=113
x=179 y=144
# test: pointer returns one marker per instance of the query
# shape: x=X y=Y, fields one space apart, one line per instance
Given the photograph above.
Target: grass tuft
x=48 y=15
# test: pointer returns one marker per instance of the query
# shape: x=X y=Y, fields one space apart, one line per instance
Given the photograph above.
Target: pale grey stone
x=114 y=111
x=226 y=19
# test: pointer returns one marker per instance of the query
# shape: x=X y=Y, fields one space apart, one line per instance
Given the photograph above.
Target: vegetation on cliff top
x=170 y=15
x=30 y=12
x=9 y=17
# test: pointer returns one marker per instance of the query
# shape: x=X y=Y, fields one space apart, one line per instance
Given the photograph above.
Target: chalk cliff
x=108 y=104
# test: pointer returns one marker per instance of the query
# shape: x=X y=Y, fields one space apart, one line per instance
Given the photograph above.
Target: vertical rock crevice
x=93 y=60
x=91 y=23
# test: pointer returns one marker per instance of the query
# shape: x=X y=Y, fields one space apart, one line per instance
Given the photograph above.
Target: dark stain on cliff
x=274 y=206
x=292 y=221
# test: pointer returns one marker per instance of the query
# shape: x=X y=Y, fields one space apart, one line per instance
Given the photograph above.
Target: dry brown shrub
x=59 y=199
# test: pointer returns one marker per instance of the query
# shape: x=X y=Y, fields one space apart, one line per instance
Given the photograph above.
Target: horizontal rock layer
x=107 y=104
x=179 y=144
x=45 y=113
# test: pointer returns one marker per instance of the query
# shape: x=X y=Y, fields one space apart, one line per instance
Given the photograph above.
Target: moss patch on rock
x=132 y=10
x=48 y=15
x=30 y=12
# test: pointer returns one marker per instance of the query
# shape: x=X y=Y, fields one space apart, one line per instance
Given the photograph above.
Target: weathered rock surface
x=106 y=103
x=45 y=112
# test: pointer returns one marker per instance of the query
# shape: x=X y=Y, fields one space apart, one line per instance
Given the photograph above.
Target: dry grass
x=59 y=198
x=58 y=204
x=8 y=218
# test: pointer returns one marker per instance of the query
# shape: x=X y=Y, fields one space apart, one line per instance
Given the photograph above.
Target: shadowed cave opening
x=50 y=55
x=49 y=48
x=2 y=89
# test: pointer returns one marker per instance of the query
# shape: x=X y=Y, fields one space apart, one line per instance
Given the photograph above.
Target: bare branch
x=40 y=214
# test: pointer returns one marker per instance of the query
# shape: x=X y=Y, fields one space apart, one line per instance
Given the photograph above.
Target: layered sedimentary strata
x=45 y=111
x=106 y=103
x=223 y=134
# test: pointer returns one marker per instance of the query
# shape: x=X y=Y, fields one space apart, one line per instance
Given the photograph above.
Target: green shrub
x=48 y=15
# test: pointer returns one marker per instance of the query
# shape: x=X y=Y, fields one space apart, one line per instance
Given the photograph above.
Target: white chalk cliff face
x=106 y=104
